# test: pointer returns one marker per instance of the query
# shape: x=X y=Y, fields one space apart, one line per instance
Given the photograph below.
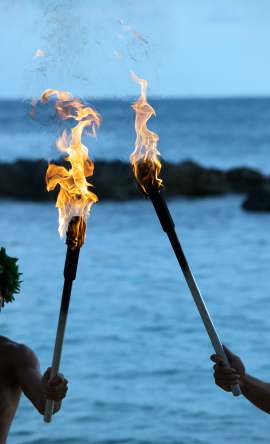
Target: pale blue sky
x=183 y=47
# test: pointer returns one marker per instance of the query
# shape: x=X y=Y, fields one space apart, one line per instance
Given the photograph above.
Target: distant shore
x=113 y=180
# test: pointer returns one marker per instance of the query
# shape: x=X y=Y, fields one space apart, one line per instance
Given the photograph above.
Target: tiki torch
x=74 y=202
x=146 y=167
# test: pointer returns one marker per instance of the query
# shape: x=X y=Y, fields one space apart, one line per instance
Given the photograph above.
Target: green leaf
x=9 y=276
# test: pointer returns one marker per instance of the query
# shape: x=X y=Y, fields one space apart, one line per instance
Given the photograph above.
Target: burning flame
x=74 y=199
x=144 y=159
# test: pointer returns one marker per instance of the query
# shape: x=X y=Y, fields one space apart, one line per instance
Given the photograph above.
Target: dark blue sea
x=136 y=353
x=219 y=132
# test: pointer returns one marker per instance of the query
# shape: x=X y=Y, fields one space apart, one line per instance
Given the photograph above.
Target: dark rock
x=243 y=180
x=191 y=179
x=113 y=180
x=25 y=179
x=258 y=200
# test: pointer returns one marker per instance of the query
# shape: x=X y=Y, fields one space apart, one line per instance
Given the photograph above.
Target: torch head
x=147 y=180
x=76 y=233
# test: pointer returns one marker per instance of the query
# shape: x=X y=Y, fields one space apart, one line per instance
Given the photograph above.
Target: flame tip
x=145 y=157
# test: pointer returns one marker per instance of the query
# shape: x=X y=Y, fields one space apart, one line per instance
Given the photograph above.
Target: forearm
x=256 y=391
x=35 y=386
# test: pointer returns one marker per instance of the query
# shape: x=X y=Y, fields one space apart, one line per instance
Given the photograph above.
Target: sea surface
x=220 y=132
x=136 y=353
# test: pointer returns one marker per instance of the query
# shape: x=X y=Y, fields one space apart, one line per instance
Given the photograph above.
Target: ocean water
x=222 y=133
x=136 y=353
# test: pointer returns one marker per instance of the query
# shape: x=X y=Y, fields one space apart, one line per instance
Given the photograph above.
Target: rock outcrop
x=25 y=180
x=258 y=200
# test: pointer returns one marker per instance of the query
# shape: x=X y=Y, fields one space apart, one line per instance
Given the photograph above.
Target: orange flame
x=144 y=159
x=74 y=198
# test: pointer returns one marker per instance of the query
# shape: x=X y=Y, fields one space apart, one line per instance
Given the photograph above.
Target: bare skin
x=256 y=391
x=20 y=373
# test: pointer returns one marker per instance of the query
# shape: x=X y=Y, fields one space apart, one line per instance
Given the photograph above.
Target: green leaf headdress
x=9 y=276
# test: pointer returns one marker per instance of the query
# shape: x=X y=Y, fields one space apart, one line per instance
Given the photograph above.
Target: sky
x=184 y=48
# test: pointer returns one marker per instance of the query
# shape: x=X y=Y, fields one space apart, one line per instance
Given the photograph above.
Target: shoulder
x=22 y=356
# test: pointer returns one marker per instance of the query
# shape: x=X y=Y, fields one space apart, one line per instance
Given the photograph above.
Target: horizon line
x=157 y=97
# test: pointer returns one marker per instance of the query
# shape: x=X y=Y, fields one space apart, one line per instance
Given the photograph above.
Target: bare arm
x=33 y=385
x=256 y=391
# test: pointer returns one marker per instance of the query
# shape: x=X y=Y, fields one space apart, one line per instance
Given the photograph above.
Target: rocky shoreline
x=24 y=180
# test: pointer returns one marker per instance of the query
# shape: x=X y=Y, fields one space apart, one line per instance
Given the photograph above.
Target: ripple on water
x=136 y=353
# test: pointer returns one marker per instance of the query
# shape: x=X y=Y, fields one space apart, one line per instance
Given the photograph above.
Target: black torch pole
x=71 y=263
x=167 y=224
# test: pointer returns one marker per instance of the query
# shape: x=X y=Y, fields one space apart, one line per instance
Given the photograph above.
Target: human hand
x=224 y=376
x=55 y=388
